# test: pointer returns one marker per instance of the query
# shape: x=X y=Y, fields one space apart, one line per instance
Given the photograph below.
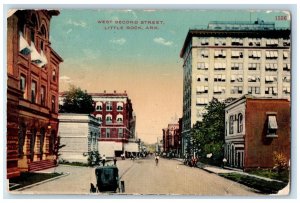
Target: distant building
x=255 y=129
x=32 y=91
x=230 y=59
x=171 y=139
x=79 y=133
x=117 y=130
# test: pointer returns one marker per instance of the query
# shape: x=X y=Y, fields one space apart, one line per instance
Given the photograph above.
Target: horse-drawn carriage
x=108 y=180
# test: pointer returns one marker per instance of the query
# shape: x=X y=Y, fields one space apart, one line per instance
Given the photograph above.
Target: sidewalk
x=218 y=170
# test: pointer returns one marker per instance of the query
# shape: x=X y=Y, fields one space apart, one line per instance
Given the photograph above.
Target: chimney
x=125 y=91
x=115 y=91
x=104 y=91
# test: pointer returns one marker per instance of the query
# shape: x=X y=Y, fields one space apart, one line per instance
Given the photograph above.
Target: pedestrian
x=103 y=159
x=156 y=159
x=115 y=161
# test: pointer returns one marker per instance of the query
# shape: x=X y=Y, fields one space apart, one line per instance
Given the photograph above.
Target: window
x=220 y=41
x=254 y=42
x=286 y=42
x=53 y=103
x=99 y=117
x=231 y=124
x=272 y=126
x=108 y=106
x=236 y=78
x=220 y=53
x=271 y=91
x=254 y=66
x=236 y=54
x=271 y=54
x=219 y=89
x=286 y=90
x=202 y=78
x=236 y=90
x=219 y=78
x=23 y=85
x=119 y=118
x=107 y=133
x=286 y=78
x=203 y=53
x=204 y=41
x=237 y=41
x=108 y=118
x=220 y=66
x=236 y=66
x=285 y=54
x=255 y=54
x=202 y=89
x=119 y=106
x=98 y=106
x=271 y=66
x=272 y=42
x=271 y=79
x=253 y=78
x=202 y=66
x=43 y=97
x=286 y=67
x=254 y=90
x=33 y=91
x=240 y=123
x=120 y=132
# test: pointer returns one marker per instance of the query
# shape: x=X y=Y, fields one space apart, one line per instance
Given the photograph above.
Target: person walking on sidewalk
x=156 y=160
x=115 y=161
x=103 y=159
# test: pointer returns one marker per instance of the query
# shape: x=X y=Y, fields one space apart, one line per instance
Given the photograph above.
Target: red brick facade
x=172 y=138
x=116 y=117
x=258 y=147
x=32 y=91
x=255 y=129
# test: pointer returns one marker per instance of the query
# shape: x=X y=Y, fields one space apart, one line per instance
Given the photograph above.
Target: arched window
x=119 y=118
x=99 y=117
x=108 y=118
x=33 y=28
x=98 y=106
x=119 y=106
x=231 y=124
x=240 y=123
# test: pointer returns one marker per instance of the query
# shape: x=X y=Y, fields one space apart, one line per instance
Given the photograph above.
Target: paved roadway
x=144 y=177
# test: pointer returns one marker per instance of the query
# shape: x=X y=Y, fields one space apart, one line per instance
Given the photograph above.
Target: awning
x=24 y=47
x=272 y=123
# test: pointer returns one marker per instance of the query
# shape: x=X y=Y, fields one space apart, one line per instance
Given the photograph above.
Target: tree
x=77 y=101
x=208 y=135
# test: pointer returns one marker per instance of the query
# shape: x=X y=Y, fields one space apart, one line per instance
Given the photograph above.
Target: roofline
x=238 y=33
x=252 y=97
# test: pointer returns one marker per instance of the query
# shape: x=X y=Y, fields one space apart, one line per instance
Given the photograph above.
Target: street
x=142 y=176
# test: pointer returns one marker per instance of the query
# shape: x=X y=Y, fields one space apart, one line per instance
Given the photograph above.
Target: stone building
x=79 y=133
x=231 y=59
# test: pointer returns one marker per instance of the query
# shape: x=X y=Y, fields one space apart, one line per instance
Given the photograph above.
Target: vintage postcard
x=149 y=101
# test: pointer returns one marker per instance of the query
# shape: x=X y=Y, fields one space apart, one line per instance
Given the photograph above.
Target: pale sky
x=145 y=63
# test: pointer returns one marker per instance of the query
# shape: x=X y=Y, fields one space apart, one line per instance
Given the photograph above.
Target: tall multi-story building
x=171 y=139
x=230 y=59
x=32 y=91
x=117 y=130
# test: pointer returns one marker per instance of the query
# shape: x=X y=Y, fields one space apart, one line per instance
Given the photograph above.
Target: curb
x=42 y=182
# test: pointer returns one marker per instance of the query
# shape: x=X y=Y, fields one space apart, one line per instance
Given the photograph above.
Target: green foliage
x=57 y=147
x=77 y=101
x=264 y=186
x=208 y=136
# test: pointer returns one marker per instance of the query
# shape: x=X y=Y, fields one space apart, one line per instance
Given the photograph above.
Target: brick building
x=32 y=91
x=255 y=129
x=172 y=139
x=117 y=130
